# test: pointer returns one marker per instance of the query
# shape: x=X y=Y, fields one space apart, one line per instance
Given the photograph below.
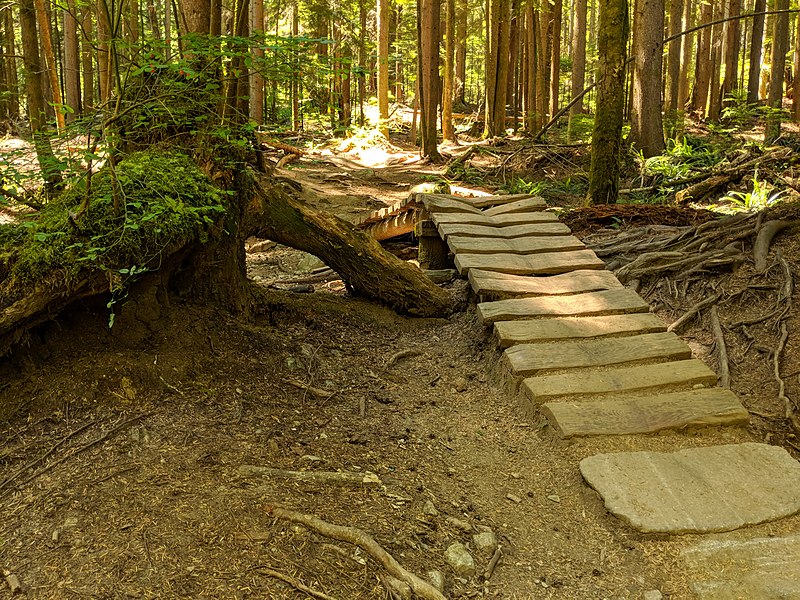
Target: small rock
x=70 y=522
x=437 y=579
x=459 y=524
x=483 y=528
x=56 y=536
x=698 y=386
x=303 y=288
x=515 y=475
x=653 y=595
x=460 y=384
x=554 y=497
x=13 y=582
x=429 y=509
x=485 y=542
x=514 y=498
x=310 y=458
x=291 y=363
x=460 y=560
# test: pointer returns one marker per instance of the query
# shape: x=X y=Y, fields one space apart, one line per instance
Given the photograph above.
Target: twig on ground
x=359 y=538
x=689 y=314
x=325 y=477
x=295 y=583
x=314 y=391
x=722 y=351
x=487 y=574
x=402 y=354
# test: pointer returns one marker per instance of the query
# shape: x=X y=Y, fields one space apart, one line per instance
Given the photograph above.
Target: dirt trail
x=157 y=509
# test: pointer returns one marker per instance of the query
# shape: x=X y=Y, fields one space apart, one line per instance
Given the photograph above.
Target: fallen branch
x=314 y=391
x=487 y=574
x=359 y=538
x=764 y=239
x=324 y=477
x=295 y=583
x=722 y=351
x=272 y=143
x=402 y=354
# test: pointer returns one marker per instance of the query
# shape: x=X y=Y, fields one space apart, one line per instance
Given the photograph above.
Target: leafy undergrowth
x=164 y=201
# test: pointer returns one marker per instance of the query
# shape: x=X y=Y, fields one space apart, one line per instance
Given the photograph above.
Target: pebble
x=554 y=497
x=460 y=384
x=430 y=509
x=459 y=524
x=437 y=579
x=653 y=595
x=310 y=458
x=460 y=560
x=514 y=498
x=485 y=542
x=698 y=386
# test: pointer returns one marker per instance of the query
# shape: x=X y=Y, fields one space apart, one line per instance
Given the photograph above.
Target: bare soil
x=119 y=452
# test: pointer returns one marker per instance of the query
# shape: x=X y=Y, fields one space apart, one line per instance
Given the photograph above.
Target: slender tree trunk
x=50 y=60
x=256 y=78
x=647 y=131
x=702 y=76
x=686 y=54
x=152 y=19
x=530 y=70
x=399 y=78
x=673 y=59
x=87 y=59
x=429 y=22
x=104 y=56
x=497 y=67
x=362 y=60
x=796 y=72
x=780 y=46
x=756 y=53
x=34 y=92
x=72 y=73
x=542 y=55
x=578 y=74
x=459 y=95
x=612 y=38
x=448 y=131
x=731 y=50
x=382 y=27
x=297 y=120
x=715 y=87
x=10 y=64
x=555 y=56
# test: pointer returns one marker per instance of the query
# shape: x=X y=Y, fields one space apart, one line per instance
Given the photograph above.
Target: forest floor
x=120 y=451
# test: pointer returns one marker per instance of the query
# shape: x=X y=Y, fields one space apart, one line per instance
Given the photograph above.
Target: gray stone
x=485 y=542
x=698 y=490
x=437 y=579
x=430 y=509
x=459 y=524
x=762 y=568
x=460 y=560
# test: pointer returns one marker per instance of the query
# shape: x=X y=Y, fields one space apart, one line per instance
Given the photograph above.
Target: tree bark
x=673 y=59
x=50 y=61
x=578 y=74
x=612 y=37
x=448 y=131
x=382 y=27
x=72 y=73
x=555 y=56
x=715 y=87
x=647 y=131
x=686 y=55
x=256 y=78
x=796 y=72
x=780 y=46
x=756 y=53
x=702 y=75
x=530 y=63
x=428 y=32
x=731 y=49
x=459 y=96
x=497 y=67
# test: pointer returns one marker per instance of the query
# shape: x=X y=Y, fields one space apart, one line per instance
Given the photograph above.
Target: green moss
x=164 y=201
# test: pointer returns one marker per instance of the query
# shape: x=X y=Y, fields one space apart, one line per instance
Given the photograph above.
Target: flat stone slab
x=512 y=231
x=525 y=218
x=646 y=414
x=532 y=359
x=510 y=333
x=606 y=302
x=699 y=490
x=524 y=205
x=762 y=568
x=683 y=374
x=524 y=245
x=546 y=263
x=492 y=285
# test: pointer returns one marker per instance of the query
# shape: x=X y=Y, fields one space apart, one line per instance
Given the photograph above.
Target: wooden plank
x=527 y=204
x=526 y=245
x=680 y=374
x=647 y=414
x=525 y=218
x=500 y=199
x=547 y=263
x=533 y=359
x=607 y=302
x=492 y=285
x=510 y=333
x=512 y=231
x=435 y=203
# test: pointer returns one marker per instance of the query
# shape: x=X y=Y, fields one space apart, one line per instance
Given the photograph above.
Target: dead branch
x=359 y=538
x=295 y=583
x=286 y=159
x=314 y=391
x=689 y=314
x=322 y=477
x=764 y=239
x=722 y=351
x=487 y=574
x=273 y=143
x=402 y=354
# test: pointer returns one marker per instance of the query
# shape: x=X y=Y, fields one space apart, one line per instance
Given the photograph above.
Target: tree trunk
x=555 y=56
x=543 y=63
x=673 y=59
x=578 y=74
x=686 y=55
x=87 y=62
x=497 y=67
x=756 y=51
x=72 y=73
x=362 y=60
x=780 y=46
x=10 y=63
x=35 y=94
x=448 y=131
x=612 y=37
x=531 y=122
x=256 y=78
x=702 y=76
x=647 y=131
x=382 y=27
x=428 y=32
x=399 y=77
x=459 y=96
x=715 y=87
x=297 y=120
x=50 y=61
x=731 y=50
x=796 y=72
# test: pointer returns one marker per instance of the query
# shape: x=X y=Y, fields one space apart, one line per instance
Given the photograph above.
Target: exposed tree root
x=292 y=581
x=722 y=350
x=359 y=538
x=766 y=233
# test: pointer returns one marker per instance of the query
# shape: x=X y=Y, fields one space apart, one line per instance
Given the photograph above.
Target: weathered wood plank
x=500 y=199
x=525 y=218
x=647 y=414
x=532 y=359
x=527 y=245
x=512 y=231
x=547 y=263
x=527 y=204
x=435 y=203
x=492 y=285
x=606 y=302
x=684 y=373
x=509 y=333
